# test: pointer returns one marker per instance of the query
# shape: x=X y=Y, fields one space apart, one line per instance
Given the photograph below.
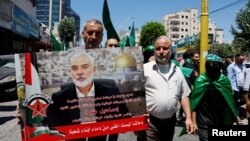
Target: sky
x=124 y=12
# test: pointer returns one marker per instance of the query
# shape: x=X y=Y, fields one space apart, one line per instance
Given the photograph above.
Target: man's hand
x=189 y=126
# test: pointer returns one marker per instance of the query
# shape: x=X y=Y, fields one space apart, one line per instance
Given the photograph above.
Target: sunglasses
x=112 y=45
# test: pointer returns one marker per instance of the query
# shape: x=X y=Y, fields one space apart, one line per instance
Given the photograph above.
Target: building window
x=182 y=36
x=186 y=23
x=186 y=30
x=209 y=29
x=186 y=17
x=182 y=23
x=182 y=29
x=5 y=10
x=182 y=16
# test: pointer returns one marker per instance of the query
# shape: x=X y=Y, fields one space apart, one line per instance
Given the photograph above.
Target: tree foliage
x=195 y=47
x=223 y=50
x=66 y=29
x=150 y=31
x=242 y=30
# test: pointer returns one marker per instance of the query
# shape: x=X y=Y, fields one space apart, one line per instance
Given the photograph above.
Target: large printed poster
x=79 y=94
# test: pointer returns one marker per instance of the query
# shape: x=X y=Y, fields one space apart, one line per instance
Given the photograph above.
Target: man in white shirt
x=165 y=86
x=246 y=89
x=236 y=73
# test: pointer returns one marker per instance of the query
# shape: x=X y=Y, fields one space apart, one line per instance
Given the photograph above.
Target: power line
x=227 y=6
x=214 y=11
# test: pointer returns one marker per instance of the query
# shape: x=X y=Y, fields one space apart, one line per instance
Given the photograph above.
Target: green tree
x=195 y=46
x=223 y=50
x=150 y=31
x=242 y=30
x=66 y=30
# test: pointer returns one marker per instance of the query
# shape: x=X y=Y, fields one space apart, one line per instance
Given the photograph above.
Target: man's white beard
x=162 y=59
x=85 y=82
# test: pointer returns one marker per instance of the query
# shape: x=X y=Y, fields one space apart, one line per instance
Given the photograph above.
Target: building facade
x=51 y=12
x=186 y=23
x=48 y=12
x=19 y=28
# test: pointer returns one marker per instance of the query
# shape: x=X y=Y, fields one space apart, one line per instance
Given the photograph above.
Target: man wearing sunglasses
x=111 y=43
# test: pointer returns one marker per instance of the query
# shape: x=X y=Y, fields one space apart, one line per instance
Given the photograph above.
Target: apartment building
x=186 y=23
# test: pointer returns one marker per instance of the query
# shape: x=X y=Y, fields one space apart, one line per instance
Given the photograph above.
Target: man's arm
x=186 y=108
x=230 y=74
x=195 y=124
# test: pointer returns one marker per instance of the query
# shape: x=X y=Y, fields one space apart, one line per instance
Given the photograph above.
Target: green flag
x=124 y=42
x=64 y=45
x=111 y=33
x=132 y=36
x=56 y=44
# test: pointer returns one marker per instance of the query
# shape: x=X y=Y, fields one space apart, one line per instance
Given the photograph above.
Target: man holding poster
x=86 y=99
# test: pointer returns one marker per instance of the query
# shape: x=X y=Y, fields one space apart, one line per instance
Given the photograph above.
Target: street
x=9 y=128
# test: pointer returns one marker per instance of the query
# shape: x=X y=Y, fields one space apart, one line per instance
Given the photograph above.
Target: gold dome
x=125 y=61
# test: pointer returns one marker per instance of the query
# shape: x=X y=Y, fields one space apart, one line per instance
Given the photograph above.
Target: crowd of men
x=213 y=98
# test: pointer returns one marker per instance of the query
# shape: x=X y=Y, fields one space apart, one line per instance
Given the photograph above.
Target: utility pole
x=204 y=34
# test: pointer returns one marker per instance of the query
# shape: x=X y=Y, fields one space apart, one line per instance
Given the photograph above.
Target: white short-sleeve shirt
x=163 y=91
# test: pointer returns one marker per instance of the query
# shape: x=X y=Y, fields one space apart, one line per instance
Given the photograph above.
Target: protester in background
x=111 y=43
x=165 y=86
x=196 y=61
x=211 y=100
x=92 y=34
x=227 y=62
x=236 y=73
x=246 y=89
x=148 y=53
x=187 y=56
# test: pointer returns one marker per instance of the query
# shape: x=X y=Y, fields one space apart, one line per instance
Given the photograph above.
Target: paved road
x=9 y=129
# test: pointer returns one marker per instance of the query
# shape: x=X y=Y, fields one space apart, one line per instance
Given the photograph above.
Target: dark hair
x=238 y=55
x=195 y=52
x=147 y=54
x=187 y=54
x=109 y=39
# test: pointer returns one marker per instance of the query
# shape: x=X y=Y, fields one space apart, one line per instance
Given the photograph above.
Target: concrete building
x=19 y=29
x=51 y=12
x=186 y=24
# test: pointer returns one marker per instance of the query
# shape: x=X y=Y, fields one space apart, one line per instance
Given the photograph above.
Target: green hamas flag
x=56 y=44
x=111 y=33
x=132 y=36
x=124 y=42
